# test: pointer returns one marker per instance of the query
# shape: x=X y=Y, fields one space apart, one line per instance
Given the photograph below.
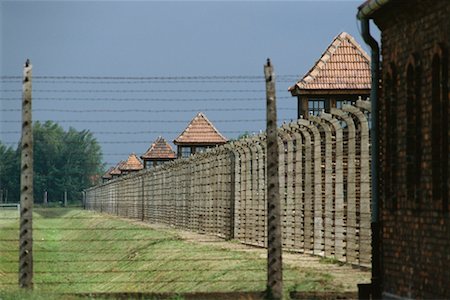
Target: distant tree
x=48 y=162
x=9 y=174
x=241 y=136
x=63 y=161
x=82 y=158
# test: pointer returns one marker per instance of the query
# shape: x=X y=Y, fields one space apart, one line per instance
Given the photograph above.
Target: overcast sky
x=160 y=39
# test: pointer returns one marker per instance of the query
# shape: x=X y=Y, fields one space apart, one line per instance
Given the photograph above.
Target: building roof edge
x=368 y=8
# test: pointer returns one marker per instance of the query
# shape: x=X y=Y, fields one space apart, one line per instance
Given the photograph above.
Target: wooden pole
x=26 y=186
x=274 y=262
x=65 y=198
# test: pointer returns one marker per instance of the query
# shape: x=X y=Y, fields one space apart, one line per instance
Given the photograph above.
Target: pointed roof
x=160 y=149
x=200 y=131
x=107 y=174
x=116 y=169
x=131 y=164
x=343 y=66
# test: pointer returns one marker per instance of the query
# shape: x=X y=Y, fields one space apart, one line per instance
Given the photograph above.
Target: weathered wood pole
x=83 y=199
x=26 y=186
x=274 y=262
x=65 y=198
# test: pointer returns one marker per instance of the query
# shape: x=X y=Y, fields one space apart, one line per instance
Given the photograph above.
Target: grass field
x=78 y=251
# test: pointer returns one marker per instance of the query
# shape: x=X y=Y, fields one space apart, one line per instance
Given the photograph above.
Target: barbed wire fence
x=135 y=256
x=145 y=106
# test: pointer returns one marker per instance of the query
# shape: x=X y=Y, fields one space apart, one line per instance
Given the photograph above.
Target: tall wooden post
x=26 y=186
x=274 y=262
x=65 y=198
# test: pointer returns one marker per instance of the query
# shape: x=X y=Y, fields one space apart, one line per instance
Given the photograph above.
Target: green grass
x=78 y=251
x=331 y=260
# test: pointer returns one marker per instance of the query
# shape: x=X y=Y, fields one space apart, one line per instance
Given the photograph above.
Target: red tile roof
x=116 y=169
x=200 y=131
x=344 y=65
x=132 y=164
x=160 y=149
x=107 y=174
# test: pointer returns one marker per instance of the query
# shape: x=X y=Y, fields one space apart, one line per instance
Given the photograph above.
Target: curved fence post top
x=338 y=112
x=308 y=124
x=314 y=119
x=230 y=147
x=364 y=104
x=262 y=137
x=240 y=146
x=319 y=120
x=304 y=122
x=351 y=109
x=300 y=127
x=358 y=114
x=288 y=129
x=326 y=116
x=254 y=142
x=344 y=116
x=330 y=119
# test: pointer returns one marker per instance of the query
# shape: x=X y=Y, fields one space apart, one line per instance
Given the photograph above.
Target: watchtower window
x=315 y=106
x=411 y=116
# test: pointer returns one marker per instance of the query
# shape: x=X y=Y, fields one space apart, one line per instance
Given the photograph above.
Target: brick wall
x=415 y=247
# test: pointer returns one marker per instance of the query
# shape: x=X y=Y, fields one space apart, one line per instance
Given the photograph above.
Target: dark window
x=185 y=151
x=411 y=115
x=445 y=129
x=436 y=128
x=315 y=106
x=439 y=129
x=418 y=131
x=200 y=149
x=391 y=140
x=394 y=139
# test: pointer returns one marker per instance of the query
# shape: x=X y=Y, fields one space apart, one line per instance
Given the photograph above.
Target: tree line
x=64 y=161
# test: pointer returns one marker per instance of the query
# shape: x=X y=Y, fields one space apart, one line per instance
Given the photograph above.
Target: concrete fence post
x=351 y=225
x=338 y=194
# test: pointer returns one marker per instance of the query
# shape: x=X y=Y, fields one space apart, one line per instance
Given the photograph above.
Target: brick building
x=413 y=130
x=198 y=135
x=159 y=152
x=342 y=74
